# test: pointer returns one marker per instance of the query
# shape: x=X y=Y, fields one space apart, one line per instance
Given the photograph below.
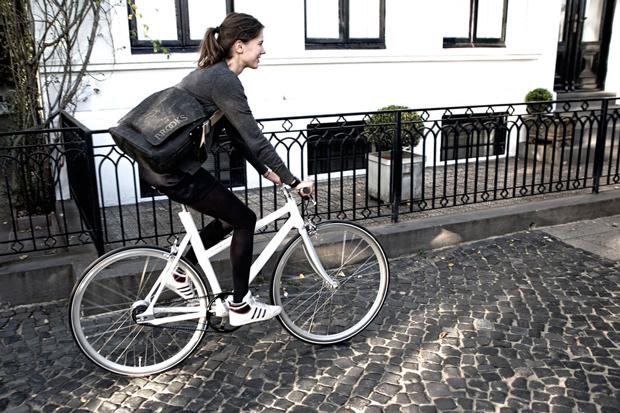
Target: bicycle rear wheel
x=316 y=313
x=105 y=302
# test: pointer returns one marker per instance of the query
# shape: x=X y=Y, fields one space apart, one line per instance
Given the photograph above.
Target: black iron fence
x=48 y=190
x=365 y=165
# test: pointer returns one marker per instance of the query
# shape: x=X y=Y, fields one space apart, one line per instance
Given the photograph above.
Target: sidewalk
x=50 y=275
x=599 y=236
x=524 y=321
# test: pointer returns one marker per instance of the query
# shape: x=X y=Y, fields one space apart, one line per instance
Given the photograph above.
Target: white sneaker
x=250 y=311
x=179 y=283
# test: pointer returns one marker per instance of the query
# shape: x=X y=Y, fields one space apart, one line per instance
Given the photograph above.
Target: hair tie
x=216 y=29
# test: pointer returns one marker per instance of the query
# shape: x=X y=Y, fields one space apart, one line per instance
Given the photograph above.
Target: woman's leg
x=223 y=205
x=210 y=235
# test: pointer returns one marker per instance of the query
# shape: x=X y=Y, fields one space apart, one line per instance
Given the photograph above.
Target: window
x=175 y=25
x=345 y=24
x=476 y=23
x=469 y=136
x=334 y=147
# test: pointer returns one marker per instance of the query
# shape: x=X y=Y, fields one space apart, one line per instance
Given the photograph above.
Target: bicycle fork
x=305 y=230
x=315 y=262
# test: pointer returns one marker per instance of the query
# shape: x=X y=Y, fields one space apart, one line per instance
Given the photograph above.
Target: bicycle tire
x=313 y=312
x=101 y=319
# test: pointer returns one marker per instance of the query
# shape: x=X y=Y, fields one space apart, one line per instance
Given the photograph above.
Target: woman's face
x=252 y=51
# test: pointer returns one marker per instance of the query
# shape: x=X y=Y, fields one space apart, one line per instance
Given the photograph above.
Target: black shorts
x=188 y=189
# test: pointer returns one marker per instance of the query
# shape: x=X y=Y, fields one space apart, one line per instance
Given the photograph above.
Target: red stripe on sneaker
x=240 y=310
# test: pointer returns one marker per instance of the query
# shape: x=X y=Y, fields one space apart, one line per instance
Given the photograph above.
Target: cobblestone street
x=517 y=323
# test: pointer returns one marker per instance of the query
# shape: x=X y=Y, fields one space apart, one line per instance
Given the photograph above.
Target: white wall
x=612 y=83
x=414 y=69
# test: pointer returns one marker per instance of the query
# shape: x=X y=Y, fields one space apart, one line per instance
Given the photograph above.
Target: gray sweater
x=218 y=87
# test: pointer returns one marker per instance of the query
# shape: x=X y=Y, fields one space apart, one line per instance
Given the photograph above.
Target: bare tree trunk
x=18 y=37
x=48 y=61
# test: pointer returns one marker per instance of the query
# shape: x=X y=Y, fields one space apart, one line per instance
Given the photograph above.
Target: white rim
x=113 y=366
x=370 y=314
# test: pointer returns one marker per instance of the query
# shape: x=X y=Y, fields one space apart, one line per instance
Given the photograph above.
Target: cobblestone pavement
x=516 y=323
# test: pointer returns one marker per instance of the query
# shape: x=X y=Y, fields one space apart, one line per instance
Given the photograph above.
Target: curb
x=442 y=231
x=51 y=277
x=44 y=277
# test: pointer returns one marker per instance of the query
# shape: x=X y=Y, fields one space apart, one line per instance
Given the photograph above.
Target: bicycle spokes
x=315 y=311
x=108 y=312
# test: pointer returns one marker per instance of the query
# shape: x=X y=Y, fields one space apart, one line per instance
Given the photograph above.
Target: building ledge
x=185 y=61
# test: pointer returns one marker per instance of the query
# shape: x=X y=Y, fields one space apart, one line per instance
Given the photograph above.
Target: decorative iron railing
x=48 y=191
x=365 y=165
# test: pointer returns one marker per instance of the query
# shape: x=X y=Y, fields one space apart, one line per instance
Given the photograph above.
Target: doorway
x=583 y=45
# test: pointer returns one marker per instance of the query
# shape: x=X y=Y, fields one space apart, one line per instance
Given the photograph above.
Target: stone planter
x=546 y=140
x=35 y=222
x=545 y=151
x=379 y=171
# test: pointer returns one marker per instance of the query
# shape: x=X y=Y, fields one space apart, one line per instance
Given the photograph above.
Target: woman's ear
x=238 y=46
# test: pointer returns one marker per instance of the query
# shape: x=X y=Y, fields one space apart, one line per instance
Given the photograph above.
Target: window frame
x=184 y=42
x=344 y=41
x=472 y=40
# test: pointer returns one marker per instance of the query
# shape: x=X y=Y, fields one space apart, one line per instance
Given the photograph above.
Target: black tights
x=230 y=214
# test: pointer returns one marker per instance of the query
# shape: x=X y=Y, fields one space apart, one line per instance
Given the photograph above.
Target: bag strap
x=206 y=127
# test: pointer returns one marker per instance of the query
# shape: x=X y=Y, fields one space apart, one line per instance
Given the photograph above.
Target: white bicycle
x=141 y=310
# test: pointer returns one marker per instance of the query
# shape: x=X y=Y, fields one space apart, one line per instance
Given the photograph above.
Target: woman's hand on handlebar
x=305 y=188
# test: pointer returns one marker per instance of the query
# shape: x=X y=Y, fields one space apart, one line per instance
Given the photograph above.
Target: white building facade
x=340 y=56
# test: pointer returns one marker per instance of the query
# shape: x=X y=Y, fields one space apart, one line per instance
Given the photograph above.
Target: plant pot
x=36 y=222
x=545 y=151
x=380 y=170
x=546 y=138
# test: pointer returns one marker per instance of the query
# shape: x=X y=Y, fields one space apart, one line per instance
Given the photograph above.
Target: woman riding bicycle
x=225 y=52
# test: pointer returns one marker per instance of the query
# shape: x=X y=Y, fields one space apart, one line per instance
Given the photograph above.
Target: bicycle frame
x=192 y=237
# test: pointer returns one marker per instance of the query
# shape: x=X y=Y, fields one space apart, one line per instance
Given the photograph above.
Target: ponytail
x=217 y=42
x=211 y=51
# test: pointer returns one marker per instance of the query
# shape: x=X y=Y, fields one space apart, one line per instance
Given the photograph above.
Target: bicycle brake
x=311 y=199
x=174 y=248
x=310 y=228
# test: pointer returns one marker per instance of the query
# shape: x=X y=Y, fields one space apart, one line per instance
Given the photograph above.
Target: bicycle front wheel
x=312 y=310
x=109 y=296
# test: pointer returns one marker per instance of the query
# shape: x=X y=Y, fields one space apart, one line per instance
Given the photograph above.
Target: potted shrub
x=379 y=131
x=536 y=99
x=544 y=127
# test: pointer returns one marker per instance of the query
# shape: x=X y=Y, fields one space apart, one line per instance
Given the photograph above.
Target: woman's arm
x=229 y=96
x=240 y=145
